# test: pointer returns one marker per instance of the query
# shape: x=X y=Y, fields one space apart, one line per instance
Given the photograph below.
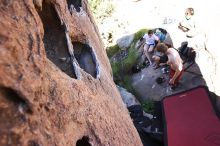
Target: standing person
x=174 y=61
x=189 y=28
x=149 y=45
x=188 y=24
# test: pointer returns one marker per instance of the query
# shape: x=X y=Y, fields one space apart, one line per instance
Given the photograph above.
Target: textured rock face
x=128 y=98
x=55 y=79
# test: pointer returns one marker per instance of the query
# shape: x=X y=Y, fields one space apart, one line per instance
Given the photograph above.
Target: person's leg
x=192 y=43
x=176 y=82
x=150 y=52
x=156 y=59
x=146 y=47
x=151 y=48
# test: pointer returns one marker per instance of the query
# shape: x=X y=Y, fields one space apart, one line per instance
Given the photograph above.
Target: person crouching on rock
x=174 y=61
x=149 y=45
x=160 y=60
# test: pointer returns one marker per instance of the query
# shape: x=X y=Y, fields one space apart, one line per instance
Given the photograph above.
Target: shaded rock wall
x=47 y=97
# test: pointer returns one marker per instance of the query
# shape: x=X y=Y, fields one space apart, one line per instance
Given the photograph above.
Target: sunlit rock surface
x=48 y=93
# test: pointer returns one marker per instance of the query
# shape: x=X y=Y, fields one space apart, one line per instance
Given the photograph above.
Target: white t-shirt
x=190 y=24
x=150 y=40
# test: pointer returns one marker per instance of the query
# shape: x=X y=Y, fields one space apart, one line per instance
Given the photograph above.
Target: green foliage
x=139 y=34
x=148 y=106
x=120 y=68
x=130 y=60
x=112 y=50
x=115 y=68
x=101 y=8
x=127 y=83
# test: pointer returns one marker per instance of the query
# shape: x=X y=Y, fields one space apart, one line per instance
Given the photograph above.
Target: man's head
x=161 y=47
x=189 y=12
x=150 y=32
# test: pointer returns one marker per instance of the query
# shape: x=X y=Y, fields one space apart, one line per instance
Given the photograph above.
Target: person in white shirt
x=188 y=24
x=149 y=45
x=189 y=28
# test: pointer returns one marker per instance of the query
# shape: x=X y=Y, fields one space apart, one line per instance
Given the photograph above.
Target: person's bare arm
x=184 y=26
x=172 y=80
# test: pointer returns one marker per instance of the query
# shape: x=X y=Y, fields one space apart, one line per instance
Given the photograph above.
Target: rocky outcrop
x=125 y=41
x=128 y=98
x=56 y=86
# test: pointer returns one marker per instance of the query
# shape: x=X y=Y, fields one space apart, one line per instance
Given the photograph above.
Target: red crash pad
x=190 y=119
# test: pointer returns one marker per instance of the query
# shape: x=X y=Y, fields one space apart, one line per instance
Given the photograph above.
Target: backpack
x=188 y=54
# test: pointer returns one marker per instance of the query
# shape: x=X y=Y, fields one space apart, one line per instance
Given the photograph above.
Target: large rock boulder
x=48 y=94
x=128 y=98
x=125 y=41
